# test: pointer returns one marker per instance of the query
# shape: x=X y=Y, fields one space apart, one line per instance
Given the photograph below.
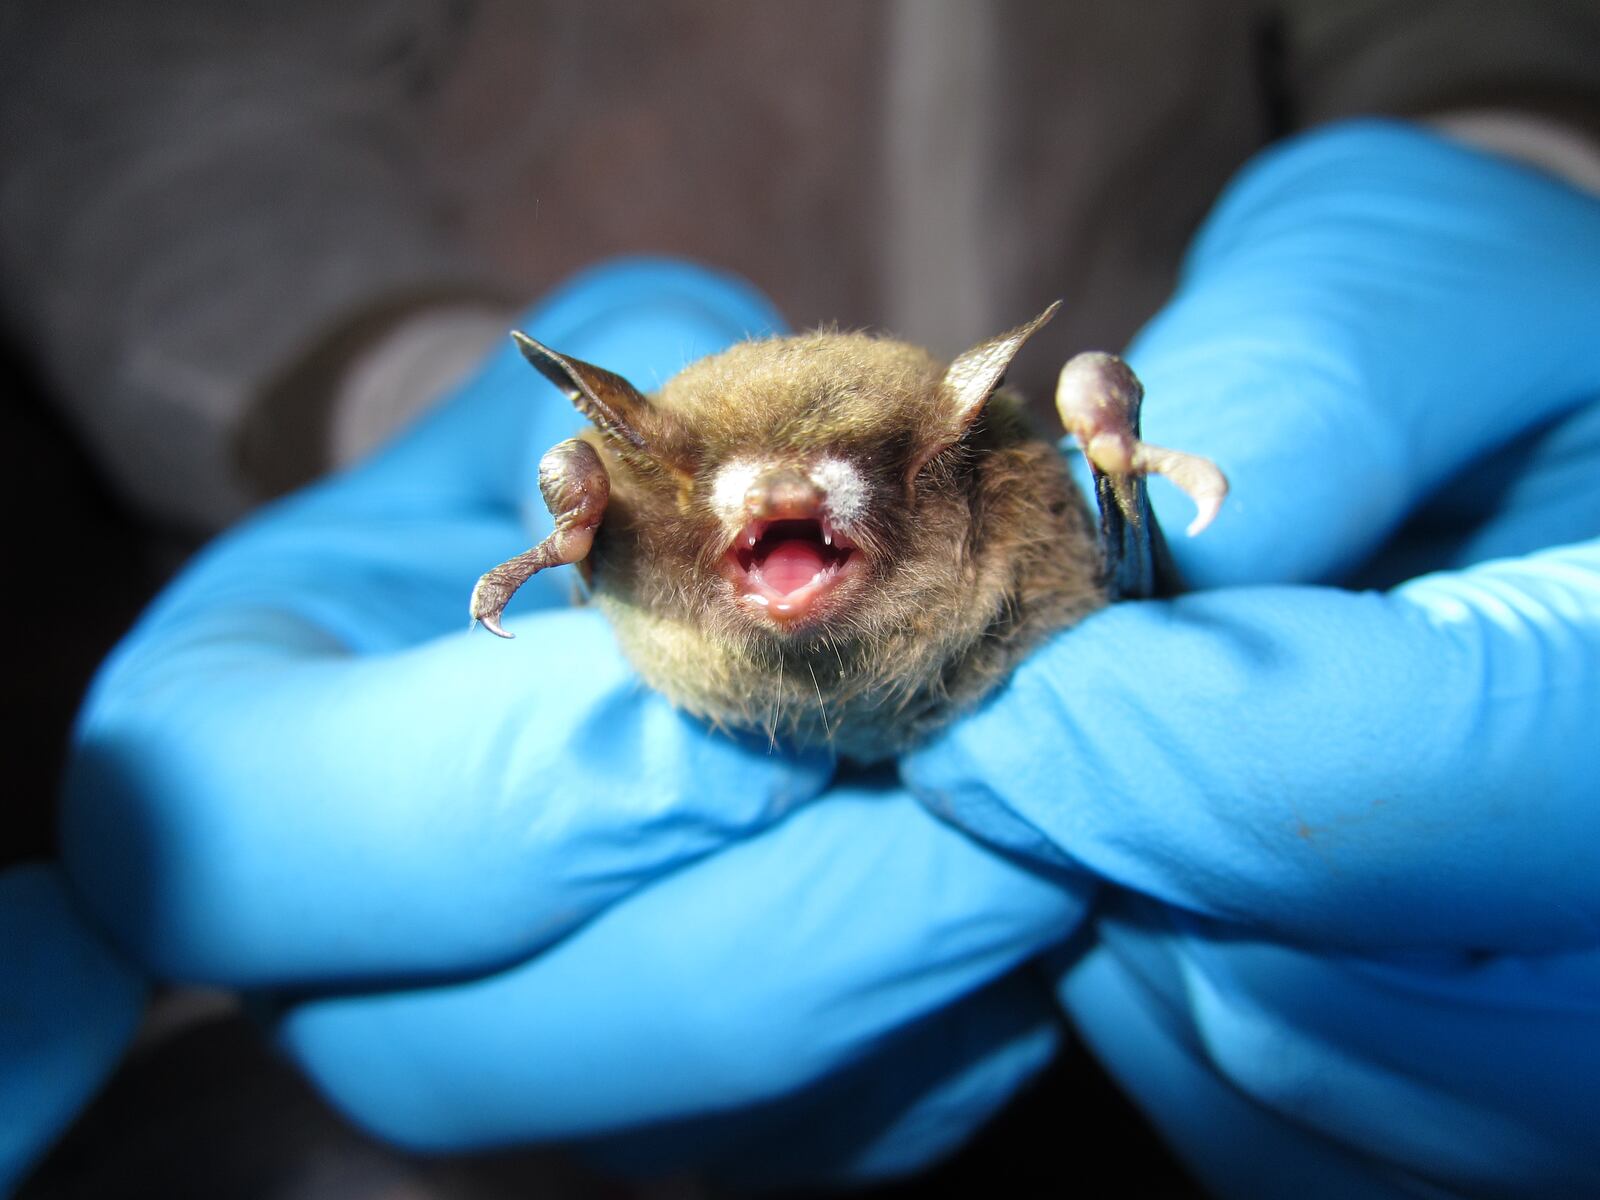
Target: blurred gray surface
x=207 y=210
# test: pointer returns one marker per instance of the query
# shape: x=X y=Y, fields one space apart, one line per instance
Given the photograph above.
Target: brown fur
x=971 y=562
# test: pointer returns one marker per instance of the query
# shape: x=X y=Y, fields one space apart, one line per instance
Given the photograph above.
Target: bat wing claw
x=488 y=603
x=576 y=488
x=494 y=627
x=1198 y=478
x=1098 y=397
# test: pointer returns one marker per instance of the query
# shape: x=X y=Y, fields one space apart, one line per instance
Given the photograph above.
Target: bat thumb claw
x=1207 y=512
x=494 y=627
x=1198 y=478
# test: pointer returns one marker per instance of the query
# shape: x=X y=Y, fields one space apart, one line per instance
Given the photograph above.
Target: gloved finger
x=1273 y=1069
x=1369 y=309
x=1360 y=770
x=1540 y=490
x=641 y=318
x=368 y=576
x=252 y=804
x=908 y=1104
x=736 y=982
x=68 y=1006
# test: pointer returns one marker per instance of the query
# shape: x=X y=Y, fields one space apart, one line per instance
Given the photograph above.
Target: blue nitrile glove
x=303 y=770
x=1359 y=947
x=783 y=1008
x=302 y=765
x=68 y=1006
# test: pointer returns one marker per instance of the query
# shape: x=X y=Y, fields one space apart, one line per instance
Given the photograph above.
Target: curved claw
x=1199 y=478
x=494 y=590
x=576 y=489
x=490 y=621
x=1098 y=397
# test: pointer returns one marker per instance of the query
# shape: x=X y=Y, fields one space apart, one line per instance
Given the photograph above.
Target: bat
x=837 y=541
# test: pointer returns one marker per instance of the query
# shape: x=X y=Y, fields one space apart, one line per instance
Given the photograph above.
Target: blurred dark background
x=210 y=215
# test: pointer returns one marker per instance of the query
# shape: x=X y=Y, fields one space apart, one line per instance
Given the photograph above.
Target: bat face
x=809 y=508
x=833 y=538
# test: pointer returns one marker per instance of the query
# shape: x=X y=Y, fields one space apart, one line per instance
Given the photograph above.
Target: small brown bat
x=836 y=540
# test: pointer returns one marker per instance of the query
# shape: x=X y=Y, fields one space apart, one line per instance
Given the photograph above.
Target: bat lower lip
x=807 y=601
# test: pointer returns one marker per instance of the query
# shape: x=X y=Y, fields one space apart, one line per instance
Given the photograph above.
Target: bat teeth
x=752 y=533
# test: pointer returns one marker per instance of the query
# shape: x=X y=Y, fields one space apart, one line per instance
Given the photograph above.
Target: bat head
x=792 y=487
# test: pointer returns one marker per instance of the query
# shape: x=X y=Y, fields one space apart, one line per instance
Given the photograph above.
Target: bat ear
x=617 y=407
x=974 y=376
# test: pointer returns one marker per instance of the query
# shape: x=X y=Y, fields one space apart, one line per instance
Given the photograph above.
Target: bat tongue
x=792 y=564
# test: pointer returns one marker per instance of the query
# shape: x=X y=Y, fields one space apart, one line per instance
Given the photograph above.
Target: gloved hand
x=797 y=1007
x=303 y=769
x=303 y=766
x=1359 y=945
x=68 y=1005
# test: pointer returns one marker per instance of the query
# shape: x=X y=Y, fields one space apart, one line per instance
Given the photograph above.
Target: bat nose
x=782 y=494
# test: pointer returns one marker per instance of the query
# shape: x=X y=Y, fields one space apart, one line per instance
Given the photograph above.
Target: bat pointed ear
x=975 y=375
x=972 y=378
x=617 y=407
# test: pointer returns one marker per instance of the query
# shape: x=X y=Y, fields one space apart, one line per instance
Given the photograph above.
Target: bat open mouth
x=785 y=568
